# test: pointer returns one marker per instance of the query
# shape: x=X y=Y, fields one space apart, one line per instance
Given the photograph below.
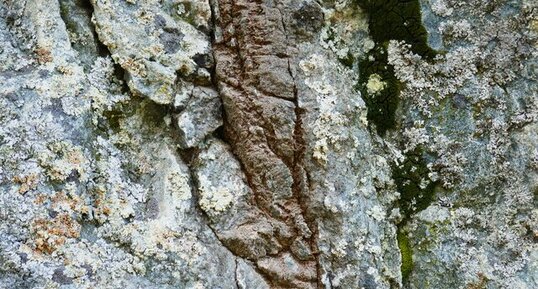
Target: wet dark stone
x=369 y=282
x=308 y=19
x=52 y=214
x=43 y=73
x=59 y=277
x=89 y=270
x=73 y=176
x=152 y=208
x=159 y=21
x=171 y=40
x=203 y=60
x=459 y=101
x=24 y=257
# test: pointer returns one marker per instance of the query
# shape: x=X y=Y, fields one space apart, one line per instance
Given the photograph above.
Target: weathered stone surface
x=268 y=144
x=201 y=117
x=475 y=108
x=153 y=45
x=93 y=191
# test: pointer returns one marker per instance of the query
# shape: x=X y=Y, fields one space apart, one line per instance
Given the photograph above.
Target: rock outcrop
x=268 y=144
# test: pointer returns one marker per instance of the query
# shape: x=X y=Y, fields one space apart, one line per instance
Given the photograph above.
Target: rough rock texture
x=268 y=144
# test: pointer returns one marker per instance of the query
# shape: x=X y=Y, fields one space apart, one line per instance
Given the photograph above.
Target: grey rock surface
x=268 y=144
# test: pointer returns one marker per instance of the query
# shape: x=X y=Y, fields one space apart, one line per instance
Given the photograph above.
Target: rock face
x=268 y=144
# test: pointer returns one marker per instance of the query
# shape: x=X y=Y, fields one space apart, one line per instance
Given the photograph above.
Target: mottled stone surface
x=268 y=144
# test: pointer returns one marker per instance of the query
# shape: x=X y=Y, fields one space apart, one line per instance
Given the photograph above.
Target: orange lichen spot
x=43 y=55
x=106 y=210
x=75 y=157
x=58 y=197
x=49 y=234
x=136 y=67
x=480 y=284
x=40 y=199
x=27 y=183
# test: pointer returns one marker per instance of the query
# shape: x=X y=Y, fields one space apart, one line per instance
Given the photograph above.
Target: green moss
x=407 y=254
x=348 y=60
x=389 y=20
x=381 y=106
x=416 y=194
x=396 y=20
x=416 y=190
x=153 y=113
x=114 y=118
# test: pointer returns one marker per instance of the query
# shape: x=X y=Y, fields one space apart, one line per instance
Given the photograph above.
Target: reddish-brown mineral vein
x=263 y=126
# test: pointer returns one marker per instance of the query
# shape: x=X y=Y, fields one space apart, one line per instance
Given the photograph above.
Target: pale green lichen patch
x=219 y=194
x=375 y=84
x=328 y=126
x=62 y=159
x=215 y=200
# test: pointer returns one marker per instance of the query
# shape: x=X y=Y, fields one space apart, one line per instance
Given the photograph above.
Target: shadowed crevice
x=77 y=14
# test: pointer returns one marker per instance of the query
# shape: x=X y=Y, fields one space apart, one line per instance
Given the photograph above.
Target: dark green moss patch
x=348 y=60
x=397 y=20
x=154 y=113
x=416 y=194
x=389 y=20
x=114 y=118
x=381 y=106
x=416 y=190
